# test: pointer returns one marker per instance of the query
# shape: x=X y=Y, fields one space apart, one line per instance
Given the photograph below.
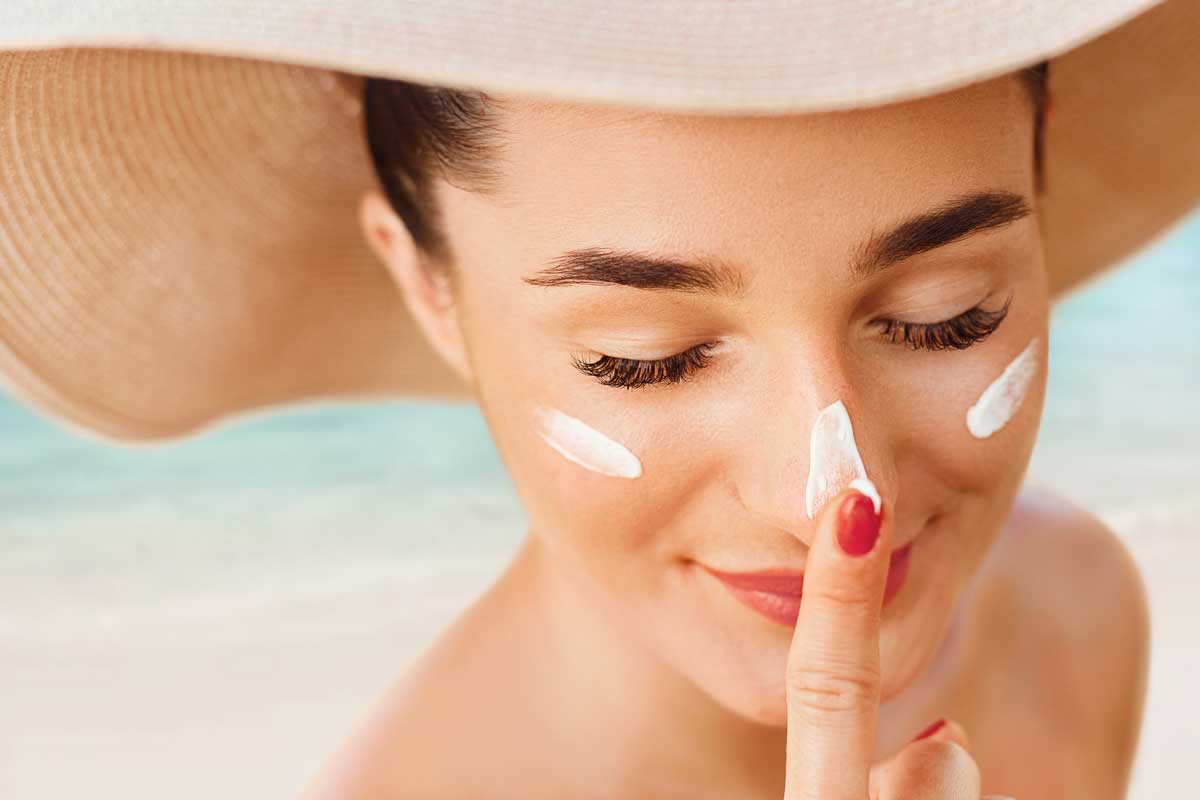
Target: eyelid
x=935 y=297
x=955 y=333
x=934 y=312
x=606 y=341
x=655 y=349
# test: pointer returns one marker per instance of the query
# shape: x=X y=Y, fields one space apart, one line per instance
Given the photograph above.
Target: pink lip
x=776 y=593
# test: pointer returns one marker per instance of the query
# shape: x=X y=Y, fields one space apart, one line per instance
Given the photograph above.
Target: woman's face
x=796 y=216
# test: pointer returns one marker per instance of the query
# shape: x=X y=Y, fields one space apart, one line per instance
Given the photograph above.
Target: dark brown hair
x=417 y=132
x=1037 y=85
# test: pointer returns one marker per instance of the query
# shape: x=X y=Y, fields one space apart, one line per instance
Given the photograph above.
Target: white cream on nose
x=834 y=462
x=582 y=444
x=1002 y=398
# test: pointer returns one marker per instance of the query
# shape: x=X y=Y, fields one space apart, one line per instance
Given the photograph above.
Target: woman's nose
x=833 y=459
x=812 y=445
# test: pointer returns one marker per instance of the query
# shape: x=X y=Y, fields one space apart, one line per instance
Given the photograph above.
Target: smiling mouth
x=776 y=594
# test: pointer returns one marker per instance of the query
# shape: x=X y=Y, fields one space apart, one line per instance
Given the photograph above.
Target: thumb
x=936 y=763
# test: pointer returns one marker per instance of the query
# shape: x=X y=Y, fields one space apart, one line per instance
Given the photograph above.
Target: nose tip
x=834 y=463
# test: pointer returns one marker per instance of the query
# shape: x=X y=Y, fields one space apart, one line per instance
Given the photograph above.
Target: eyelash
x=959 y=333
x=631 y=373
x=968 y=328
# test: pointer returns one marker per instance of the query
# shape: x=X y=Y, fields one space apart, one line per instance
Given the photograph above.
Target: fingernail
x=858 y=524
x=931 y=730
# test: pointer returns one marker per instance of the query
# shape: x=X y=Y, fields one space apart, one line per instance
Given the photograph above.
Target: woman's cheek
x=1006 y=405
x=584 y=445
x=1005 y=395
x=586 y=474
x=583 y=458
x=979 y=436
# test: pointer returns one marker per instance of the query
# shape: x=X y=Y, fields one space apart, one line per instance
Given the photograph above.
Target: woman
x=654 y=312
x=766 y=385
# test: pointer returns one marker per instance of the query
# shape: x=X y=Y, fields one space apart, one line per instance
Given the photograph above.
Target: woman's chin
x=914 y=623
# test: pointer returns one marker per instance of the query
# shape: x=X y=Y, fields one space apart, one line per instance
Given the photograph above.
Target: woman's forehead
x=809 y=185
x=555 y=121
x=553 y=150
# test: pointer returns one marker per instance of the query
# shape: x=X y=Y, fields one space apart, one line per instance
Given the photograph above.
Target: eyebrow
x=951 y=222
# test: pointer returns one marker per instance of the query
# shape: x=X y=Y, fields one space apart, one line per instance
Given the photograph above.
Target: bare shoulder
x=393 y=750
x=1055 y=554
x=433 y=734
x=1065 y=602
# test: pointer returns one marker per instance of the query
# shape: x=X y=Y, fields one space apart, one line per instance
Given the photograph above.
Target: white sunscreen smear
x=589 y=448
x=834 y=462
x=1001 y=399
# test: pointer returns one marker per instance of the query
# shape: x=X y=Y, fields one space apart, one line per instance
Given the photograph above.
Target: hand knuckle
x=848 y=598
x=831 y=690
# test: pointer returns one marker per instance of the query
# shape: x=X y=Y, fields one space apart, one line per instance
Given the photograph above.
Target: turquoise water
x=356 y=489
x=1121 y=424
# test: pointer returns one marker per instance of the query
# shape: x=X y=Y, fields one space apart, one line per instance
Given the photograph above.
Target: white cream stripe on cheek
x=833 y=460
x=1001 y=399
x=584 y=445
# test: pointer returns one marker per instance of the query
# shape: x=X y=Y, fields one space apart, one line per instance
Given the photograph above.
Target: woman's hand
x=833 y=676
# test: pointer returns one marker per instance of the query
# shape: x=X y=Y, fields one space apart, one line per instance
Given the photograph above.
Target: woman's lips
x=776 y=593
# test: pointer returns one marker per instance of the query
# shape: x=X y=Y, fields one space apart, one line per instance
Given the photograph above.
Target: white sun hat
x=179 y=180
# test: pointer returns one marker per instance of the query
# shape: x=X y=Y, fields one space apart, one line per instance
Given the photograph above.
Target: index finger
x=833 y=673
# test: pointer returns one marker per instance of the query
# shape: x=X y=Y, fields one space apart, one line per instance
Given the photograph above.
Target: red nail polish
x=931 y=730
x=858 y=525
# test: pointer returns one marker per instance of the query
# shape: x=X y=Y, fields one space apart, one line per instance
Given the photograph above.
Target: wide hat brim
x=179 y=182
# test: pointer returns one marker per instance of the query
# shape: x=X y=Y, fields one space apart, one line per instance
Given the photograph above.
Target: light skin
x=605 y=662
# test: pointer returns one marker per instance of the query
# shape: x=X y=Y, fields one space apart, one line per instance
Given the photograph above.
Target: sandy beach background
x=210 y=617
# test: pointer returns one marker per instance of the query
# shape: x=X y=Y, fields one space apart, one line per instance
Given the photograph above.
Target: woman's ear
x=427 y=292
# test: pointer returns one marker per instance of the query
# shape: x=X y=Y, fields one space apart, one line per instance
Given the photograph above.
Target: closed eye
x=958 y=333
x=968 y=328
x=631 y=373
